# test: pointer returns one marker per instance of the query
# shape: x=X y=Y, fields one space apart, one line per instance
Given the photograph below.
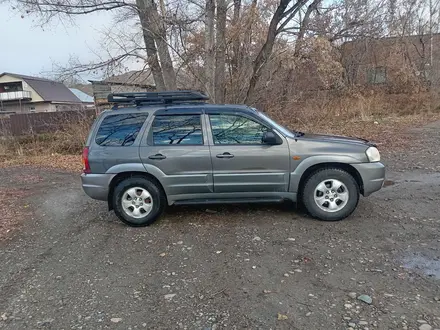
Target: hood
x=335 y=138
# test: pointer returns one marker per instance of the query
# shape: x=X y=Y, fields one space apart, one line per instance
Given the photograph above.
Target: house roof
x=144 y=78
x=136 y=78
x=417 y=37
x=85 y=88
x=49 y=90
x=85 y=98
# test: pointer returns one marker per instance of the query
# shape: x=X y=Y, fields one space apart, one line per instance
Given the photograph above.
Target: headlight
x=373 y=154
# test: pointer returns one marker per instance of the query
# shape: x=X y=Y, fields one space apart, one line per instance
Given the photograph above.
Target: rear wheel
x=330 y=194
x=138 y=201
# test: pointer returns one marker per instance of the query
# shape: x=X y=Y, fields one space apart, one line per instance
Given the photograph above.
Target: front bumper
x=97 y=186
x=373 y=176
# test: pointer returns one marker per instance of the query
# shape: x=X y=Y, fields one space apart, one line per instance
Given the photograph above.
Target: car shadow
x=228 y=212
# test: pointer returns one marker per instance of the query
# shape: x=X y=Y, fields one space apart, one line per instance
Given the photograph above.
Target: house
x=86 y=100
x=20 y=93
x=397 y=63
x=136 y=81
x=132 y=81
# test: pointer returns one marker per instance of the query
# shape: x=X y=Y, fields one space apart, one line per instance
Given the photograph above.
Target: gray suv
x=156 y=149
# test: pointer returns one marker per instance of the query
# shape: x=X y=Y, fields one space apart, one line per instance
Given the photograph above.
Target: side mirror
x=271 y=138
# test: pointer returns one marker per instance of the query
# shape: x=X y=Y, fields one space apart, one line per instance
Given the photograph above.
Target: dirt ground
x=70 y=264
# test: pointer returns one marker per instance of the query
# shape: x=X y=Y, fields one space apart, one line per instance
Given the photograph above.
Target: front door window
x=234 y=129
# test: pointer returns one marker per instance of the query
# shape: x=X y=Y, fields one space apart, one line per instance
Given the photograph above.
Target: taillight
x=85 y=160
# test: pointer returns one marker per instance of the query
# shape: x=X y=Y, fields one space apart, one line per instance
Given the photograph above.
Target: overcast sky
x=27 y=48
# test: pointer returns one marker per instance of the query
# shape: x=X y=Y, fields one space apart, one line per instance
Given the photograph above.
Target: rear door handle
x=225 y=155
x=157 y=156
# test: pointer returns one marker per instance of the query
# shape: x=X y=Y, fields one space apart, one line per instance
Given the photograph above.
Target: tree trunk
x=169 y=74
x=152 y=26
x=220 y=56
x=209 y=48
x=247 y=39
x=266 y=50
x=236 y=41
x=304 y=25
x=160 y=36
x=150 y=46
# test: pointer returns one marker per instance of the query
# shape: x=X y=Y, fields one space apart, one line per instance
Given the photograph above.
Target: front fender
x=295 y=176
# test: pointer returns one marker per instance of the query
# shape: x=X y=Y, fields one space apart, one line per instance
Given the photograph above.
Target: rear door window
x=177 y=129
x=120 y=130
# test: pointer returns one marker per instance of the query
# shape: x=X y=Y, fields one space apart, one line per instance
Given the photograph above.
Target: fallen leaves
x=282 y=317
x=71 y=163
x=27 y=178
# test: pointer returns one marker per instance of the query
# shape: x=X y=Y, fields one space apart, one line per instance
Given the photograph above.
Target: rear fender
x=136 y=168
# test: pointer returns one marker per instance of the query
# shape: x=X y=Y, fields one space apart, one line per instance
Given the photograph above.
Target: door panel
x=252 y=169
x=186 y=169
x=178 y=148
x=247 y=167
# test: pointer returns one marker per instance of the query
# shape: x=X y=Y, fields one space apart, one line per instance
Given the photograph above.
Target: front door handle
x=225 y=155
x=157 y=156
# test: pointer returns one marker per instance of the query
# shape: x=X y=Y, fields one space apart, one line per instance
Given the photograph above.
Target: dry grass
x=382 y=118
x=70 y=163
x=378 y=117
x=387 y=132
x=61 y=149
x=67 y=141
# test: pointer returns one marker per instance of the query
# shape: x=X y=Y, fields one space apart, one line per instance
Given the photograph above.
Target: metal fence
x=44 y=122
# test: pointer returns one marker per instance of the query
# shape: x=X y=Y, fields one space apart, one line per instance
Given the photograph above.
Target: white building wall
x=35 y=96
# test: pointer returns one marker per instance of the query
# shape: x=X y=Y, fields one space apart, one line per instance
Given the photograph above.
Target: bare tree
x=160 y=37
x=236 y=39
x=150 y=46
x=154 y=33
x=209 y=47
x=233 y=48
x=304 y=25
x=220 y=54
x=283 y=15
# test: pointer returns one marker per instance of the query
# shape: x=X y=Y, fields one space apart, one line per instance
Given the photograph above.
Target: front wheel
x=330 y=194
x=138 y=201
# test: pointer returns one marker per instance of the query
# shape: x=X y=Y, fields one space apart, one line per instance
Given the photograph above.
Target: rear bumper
x=96 y=186
x=373 y=176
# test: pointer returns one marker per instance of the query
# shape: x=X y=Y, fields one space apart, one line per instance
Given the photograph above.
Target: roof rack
x=157 y=97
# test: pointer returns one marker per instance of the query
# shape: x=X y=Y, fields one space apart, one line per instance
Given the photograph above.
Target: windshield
x=277 y=126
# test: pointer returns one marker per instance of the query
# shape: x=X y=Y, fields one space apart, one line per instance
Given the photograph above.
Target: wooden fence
x=42 y=122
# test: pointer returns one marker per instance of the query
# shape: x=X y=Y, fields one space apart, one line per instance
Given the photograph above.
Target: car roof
x=182 y=107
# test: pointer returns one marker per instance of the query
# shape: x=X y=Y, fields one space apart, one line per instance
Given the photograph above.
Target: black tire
x=157 y=195
x=308 y=193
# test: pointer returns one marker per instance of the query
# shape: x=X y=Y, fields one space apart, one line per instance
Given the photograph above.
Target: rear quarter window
x=120 y=130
